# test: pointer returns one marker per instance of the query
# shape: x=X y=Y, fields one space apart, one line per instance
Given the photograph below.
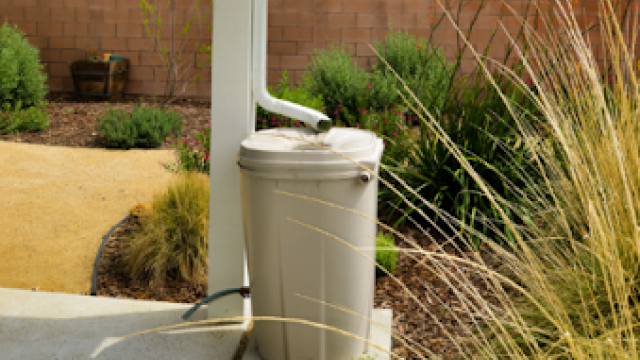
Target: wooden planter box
x=100 y=80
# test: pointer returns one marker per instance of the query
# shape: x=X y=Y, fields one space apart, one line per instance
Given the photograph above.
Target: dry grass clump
x=575 y=264
x=174 y=236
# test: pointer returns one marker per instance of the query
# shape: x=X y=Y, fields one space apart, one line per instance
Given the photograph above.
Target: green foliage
x=387 y=258
x=346 y=87
x=424 y=68
x=192 y=157
x=21 y=75
x=332 y=75
x=482 y=128
x=173 y=237
x=299 y=95
x=479 y=123
x=17 y=119
x=145 y=127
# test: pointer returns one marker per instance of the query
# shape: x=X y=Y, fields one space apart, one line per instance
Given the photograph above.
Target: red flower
x=395 y=133
x=364 y=111
x=368 y=86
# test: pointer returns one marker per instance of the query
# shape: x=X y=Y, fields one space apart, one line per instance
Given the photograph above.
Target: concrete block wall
x=298 y=27
x=62 y=29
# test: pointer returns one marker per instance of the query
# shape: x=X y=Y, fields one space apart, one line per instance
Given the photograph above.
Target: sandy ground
x=57 y=203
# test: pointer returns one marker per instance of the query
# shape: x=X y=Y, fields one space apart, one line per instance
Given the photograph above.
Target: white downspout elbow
x=314 y=118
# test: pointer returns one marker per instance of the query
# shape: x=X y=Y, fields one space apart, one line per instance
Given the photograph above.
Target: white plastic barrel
x=286 y=258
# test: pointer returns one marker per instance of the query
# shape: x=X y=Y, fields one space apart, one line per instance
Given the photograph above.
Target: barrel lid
x=304 y=145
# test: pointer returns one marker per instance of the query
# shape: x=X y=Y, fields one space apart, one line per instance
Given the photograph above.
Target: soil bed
x=72 y=124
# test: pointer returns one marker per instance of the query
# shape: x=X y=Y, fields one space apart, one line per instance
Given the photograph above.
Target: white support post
x=232 y=120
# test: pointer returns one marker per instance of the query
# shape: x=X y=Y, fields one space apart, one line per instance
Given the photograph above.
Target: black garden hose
x=244 y=291
x=96 y=265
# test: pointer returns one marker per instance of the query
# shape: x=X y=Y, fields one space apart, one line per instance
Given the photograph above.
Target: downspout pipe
x=317 y=120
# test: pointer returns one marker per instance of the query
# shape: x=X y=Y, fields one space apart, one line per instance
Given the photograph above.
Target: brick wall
x=297 y=27
x=62 y=29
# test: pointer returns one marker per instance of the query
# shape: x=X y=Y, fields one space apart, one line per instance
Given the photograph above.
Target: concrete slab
x=45 y=325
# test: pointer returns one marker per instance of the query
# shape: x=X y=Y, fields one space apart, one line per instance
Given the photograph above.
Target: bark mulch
x=72 y=123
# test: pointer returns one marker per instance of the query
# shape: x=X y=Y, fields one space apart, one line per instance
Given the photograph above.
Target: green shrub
x=299 y=95
x=380 y=93
x=21 y=76
x=173 y=238
x=388 y=259
x=343 y=85
x=145 y=127
x=332 y=75
x=482 y=128
x=479 y=123
x=16 y=119
x=423 y=67
x=191 y=157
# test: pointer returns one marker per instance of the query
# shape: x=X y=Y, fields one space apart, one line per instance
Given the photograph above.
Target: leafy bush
x=21 y=76
x=423 y=67
x=191 y=157
x=388 y=259
x=479 y=123
x=332 y=75
x=486 y=133
x=144 y=127
x=16 y=119
x=299 y=95
x=173 y=237
x=343 y=85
